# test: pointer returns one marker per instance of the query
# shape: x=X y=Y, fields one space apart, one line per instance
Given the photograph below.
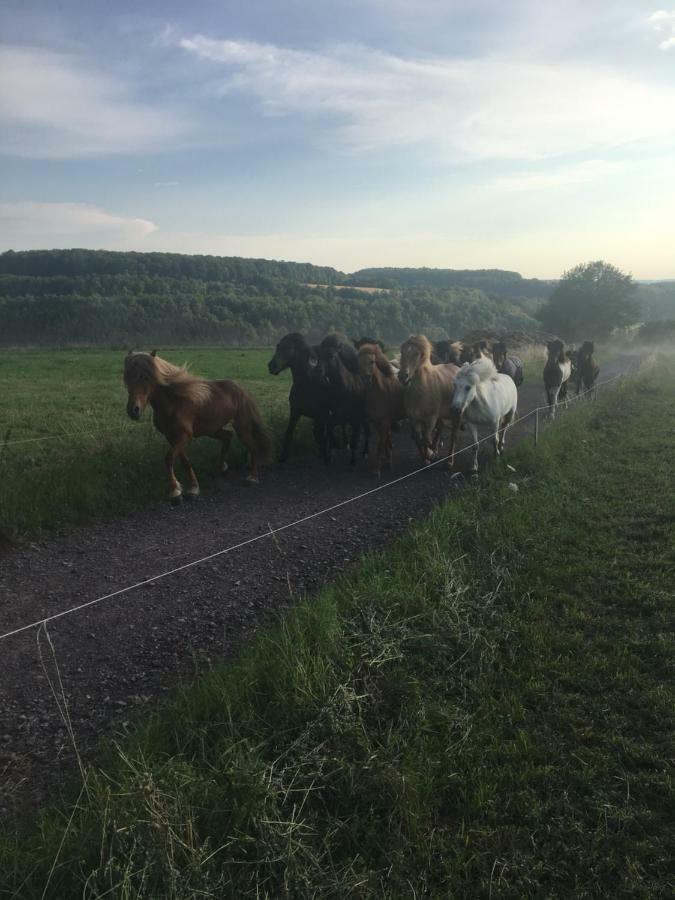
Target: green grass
x=484 y=710
x=95 y=460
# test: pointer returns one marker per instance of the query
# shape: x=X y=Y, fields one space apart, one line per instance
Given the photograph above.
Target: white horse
x=557 y=372
x=482 y=396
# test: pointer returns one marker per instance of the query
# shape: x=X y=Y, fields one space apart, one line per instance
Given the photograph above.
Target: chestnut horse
x=184 y=407
x=384 y=400
x=427 y=397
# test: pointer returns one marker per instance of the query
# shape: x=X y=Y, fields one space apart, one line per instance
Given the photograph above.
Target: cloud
x=55 y=105
x=27 y=225
x=664 y=21
x=163 y=184
x=582 y=173
x=470 y=109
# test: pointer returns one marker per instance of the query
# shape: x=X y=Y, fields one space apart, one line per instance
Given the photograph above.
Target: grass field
x=485 y=710
x=78 y=455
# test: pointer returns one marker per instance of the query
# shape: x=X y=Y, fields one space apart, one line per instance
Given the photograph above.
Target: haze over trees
x=84 y=297
x=104 y=298
x=590 y=301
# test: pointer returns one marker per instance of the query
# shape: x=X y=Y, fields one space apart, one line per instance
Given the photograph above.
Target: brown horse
x=428 y=393
x=185 y=407
x=384 y=400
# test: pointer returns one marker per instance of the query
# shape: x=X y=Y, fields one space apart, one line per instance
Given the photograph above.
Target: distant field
x=68 y=450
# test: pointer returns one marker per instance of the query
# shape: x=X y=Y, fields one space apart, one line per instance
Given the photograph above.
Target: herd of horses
x=350 y=389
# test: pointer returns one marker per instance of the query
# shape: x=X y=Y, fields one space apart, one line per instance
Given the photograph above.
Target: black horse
x=309 y=394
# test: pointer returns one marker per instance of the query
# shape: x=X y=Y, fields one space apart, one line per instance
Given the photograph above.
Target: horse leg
x=366 y=440
x=473 y=433
x=506 y=421
x=322 y=437
x=193 y=491
x=225 y=441
x=354 y=443
x=245 y=435
x=553 y=400
x=290 y=428
x=175 y=489
x=453 y=443
x=382 y=428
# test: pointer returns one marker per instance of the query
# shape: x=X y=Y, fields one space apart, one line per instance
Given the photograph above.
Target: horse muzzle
x=403 y=377
x=134 y=412
x=273 y=367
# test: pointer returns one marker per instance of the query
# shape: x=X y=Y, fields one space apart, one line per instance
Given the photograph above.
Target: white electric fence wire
x=275 y=531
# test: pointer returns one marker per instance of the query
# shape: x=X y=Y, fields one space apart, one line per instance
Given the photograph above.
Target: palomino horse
x=428 y=393
x=506 y=363
x=184 y=407
x=586 y=369
x=384 y=400
x=557 y=373
x=483 y=396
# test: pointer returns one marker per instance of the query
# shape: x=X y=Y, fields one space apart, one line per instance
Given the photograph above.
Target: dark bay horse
x=339 y=371
x=586 y=370
x=184 y=407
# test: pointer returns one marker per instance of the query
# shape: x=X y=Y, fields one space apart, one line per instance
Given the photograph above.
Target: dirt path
x=122 y=655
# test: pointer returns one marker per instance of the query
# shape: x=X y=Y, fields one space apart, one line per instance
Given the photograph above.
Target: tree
x=589 y=301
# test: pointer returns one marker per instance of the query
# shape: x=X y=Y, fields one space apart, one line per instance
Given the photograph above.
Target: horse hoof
x=176 y=501
x=250 y=479
x=190 y=498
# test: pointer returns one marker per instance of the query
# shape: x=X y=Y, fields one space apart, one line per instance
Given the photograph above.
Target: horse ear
x=153 y=353
x=313 y=362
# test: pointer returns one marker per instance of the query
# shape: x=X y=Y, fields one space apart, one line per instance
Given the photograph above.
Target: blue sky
x=528 y=136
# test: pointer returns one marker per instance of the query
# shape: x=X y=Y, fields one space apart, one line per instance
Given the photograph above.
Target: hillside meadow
x=485 y=709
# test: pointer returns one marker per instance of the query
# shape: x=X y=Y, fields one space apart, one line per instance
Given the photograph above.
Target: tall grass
x=483 y=710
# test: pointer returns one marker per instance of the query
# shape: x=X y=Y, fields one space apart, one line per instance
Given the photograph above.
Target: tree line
x=62 y=301
x=106 y=298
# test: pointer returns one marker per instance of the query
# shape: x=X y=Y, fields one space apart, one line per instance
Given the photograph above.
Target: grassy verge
x=484 y=710
x=103 y=464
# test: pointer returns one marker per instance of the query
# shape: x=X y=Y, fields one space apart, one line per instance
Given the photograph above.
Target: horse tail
x=261 y=434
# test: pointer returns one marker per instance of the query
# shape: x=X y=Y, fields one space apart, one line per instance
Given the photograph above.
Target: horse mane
x=484 y=368
x=381 y=360
x=146 y=367
x=422 y=343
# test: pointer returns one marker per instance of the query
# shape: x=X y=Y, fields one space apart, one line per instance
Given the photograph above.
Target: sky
x=529 y=136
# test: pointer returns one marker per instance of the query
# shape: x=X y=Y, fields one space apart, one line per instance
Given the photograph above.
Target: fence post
x=536 y=426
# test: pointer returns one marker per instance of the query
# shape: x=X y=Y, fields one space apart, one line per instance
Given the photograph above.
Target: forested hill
x=75 y=263
x=86 y=297
x=498 y=282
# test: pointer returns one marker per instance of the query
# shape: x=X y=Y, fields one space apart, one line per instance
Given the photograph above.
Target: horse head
x=499 y=353
x=140 y=380
x=369 y=358
x=556 y=351
x=415 y=353
x=292 y=351
x=465 y=388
